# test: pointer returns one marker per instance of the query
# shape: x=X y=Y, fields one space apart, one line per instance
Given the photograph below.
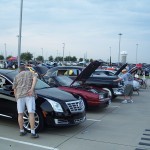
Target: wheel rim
x=109 y=91
x=26 y=124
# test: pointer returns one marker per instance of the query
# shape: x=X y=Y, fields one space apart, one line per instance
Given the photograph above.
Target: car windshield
x=66 y=81
x=39 y=85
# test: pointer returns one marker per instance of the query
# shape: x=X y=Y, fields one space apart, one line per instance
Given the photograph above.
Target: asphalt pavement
x=118 y=127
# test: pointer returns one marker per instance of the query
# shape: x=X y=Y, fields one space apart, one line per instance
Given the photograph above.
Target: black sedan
x=53 y=106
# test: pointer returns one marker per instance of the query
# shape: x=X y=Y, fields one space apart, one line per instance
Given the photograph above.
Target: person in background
x=23 y=85
x=128 y=86
x=9 y=64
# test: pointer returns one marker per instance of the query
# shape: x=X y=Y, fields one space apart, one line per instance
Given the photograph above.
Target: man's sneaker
x=130 y=101
x=124 y=102
x=34 y=135
x=23 y=133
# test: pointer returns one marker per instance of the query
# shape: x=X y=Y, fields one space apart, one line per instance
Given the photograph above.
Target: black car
x=85 y=76
x=53 y=106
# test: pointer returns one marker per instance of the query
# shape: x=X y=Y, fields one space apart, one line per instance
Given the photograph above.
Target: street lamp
x=5 y=52
x=119 y=47
x=136 y=51
x=110 y=55
x=42 y=53
x=20 y=31
x=63 y=51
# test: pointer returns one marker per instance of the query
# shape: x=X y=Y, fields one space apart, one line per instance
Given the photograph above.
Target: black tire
x=39 y=121
x=111 y=93
x=143 y=86
x=85 y=104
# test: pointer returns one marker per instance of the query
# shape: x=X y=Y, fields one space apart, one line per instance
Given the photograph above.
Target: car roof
x=66 y=67
x=10 y=74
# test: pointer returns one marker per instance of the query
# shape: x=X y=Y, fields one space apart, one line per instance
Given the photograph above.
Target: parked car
x=106 y=82
x=54 y=107
x=100 y=72
x=91 y=96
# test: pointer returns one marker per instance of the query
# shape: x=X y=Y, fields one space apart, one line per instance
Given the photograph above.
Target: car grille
x=76 y=106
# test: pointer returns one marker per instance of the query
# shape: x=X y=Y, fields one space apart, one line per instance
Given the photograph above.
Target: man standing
x=128 y=83
x=23 y=85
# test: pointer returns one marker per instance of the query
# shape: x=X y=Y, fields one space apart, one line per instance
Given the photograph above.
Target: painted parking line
x=93 y=120
x=27 y=143
x=115 y=106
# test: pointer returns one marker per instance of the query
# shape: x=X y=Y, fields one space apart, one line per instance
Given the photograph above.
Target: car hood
x=40 y=70
x=55 y=94
x=86 y=73
x=120 y=69
x=133 y=70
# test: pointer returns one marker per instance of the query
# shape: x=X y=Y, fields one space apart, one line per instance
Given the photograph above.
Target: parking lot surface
x=117 y=127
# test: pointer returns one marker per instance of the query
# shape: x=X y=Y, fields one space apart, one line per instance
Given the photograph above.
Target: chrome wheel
x=26 y=124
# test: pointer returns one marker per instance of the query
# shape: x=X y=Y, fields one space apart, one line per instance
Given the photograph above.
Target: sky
x=88 y=28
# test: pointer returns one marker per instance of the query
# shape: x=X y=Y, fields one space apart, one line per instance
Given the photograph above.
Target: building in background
x=123 y=57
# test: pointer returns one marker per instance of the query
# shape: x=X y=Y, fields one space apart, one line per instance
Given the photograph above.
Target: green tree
x=67 y=58
x=91 y=60
x=59 y=58
x=50 y=58
x=80 y=59
x=8 y=57
x=87 y=60
x=40 y=58
x=1 y=57
x=73 y=59
x=26 y=56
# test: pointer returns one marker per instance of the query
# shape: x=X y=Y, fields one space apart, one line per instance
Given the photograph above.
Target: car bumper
x=118 y=91
x=101 y=103
x=60 y=119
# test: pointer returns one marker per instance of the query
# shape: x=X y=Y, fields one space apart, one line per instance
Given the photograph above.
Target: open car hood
x=86 y=73
x=40 y=70
x=133 y=70
x=120 y=69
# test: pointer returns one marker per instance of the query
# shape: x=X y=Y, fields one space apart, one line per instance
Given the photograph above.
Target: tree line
x=27 y=56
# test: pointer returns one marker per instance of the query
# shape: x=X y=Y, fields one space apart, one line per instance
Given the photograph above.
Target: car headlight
x=101 y=96
x=56 y=106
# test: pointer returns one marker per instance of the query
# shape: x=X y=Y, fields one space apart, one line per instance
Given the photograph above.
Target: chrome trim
x=5 y=116
x=76 y=106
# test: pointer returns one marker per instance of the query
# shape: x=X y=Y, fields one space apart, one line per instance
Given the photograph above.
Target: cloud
x=90 y=26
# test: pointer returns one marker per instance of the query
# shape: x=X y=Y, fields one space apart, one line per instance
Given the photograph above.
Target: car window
x=40 y=84
x=4 y=82
x=62 y=72
x=111 y=74
x=51 y=81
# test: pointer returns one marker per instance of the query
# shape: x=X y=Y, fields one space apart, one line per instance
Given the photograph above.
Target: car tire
x=111 y=93
x=39 y=121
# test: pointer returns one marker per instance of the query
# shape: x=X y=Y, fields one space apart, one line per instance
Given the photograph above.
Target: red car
x=92 y=97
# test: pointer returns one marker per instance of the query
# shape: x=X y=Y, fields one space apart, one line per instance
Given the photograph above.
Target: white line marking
x=93 y=120
x=115 y=106
x=27 y=143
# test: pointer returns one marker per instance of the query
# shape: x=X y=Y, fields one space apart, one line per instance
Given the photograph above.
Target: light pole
x=42 y=53
x=136 y=51
x=20 y=32
x=5 y=52
x=63 y=51
x=110 y=55
x=119 y=47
